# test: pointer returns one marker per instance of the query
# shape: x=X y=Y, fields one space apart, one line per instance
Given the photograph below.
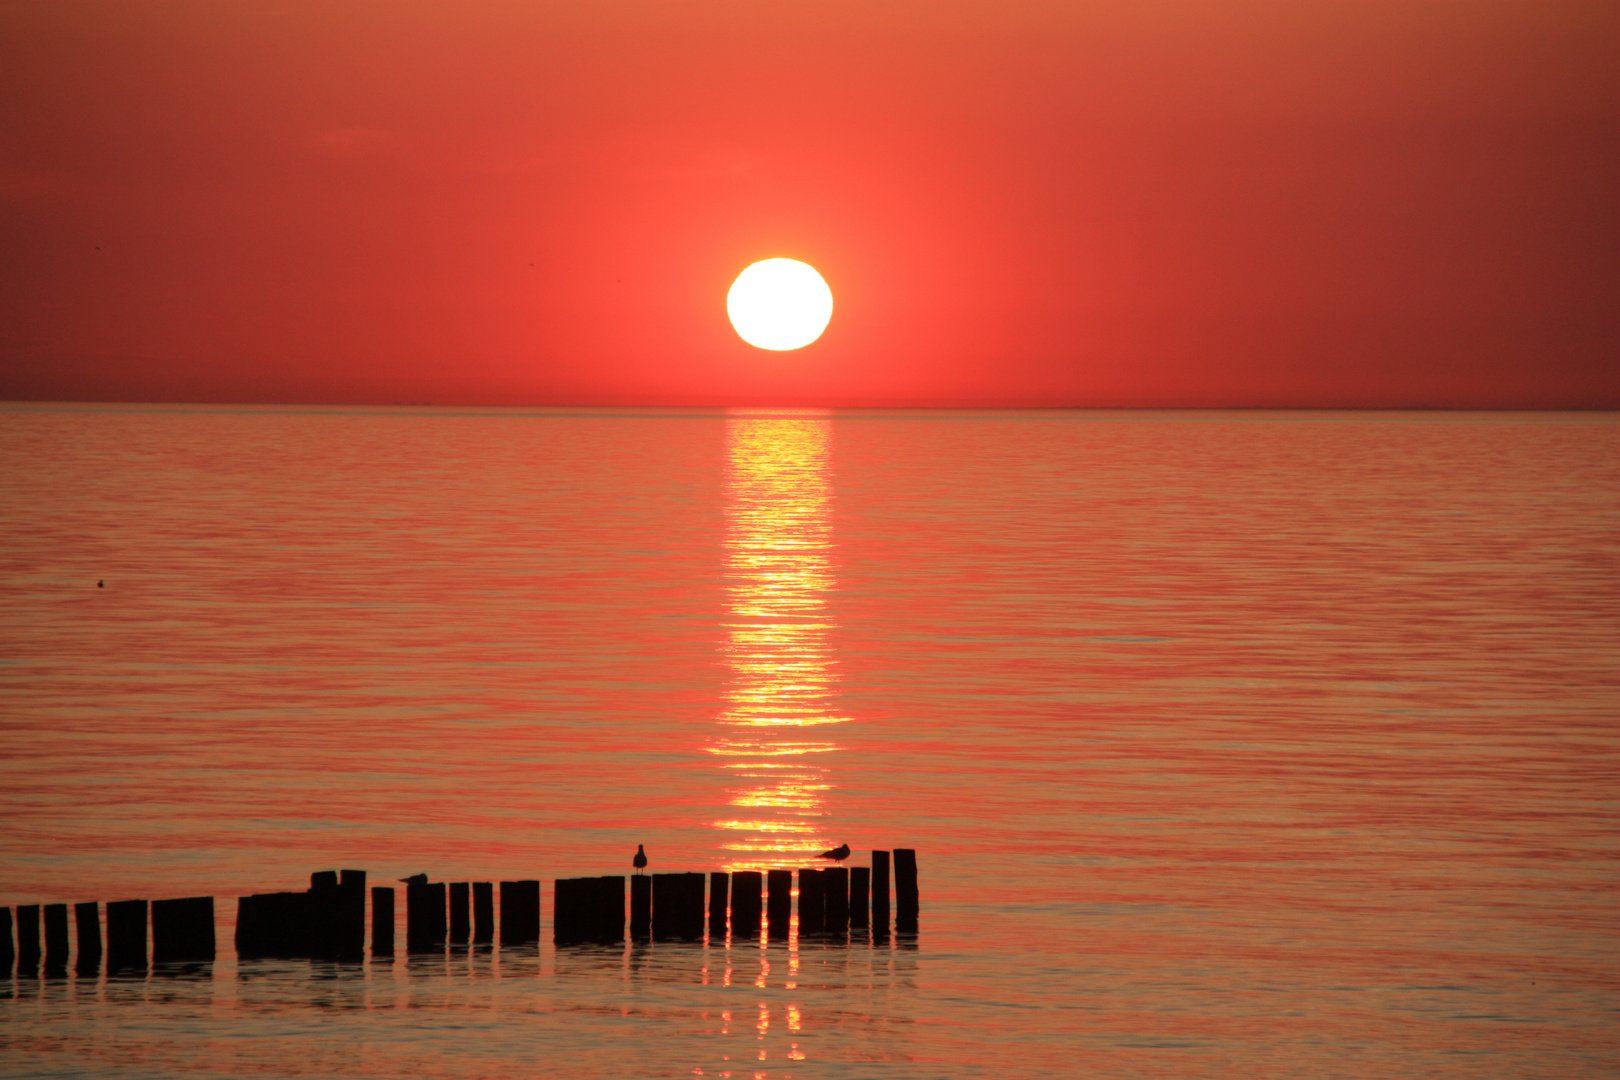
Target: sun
x=779 y=304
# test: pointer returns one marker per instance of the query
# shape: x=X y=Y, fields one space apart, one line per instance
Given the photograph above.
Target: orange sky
x=1131 y=203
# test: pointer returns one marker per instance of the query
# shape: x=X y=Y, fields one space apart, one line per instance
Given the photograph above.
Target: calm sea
x=1231 y=744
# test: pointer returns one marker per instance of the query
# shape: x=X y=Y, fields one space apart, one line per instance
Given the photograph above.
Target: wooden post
x=267 y=925
x=860 y=887
x=349 y=935
x=640 y=908
x=589 y=910
x=880 y=893
x=905 y=891
x=87 y=927
x=719 y=897
x=779 y=902
x=836 y=882
x=460 y=912
x=745 y=903
x=424 y=917
x=183 y=930
x=126 y=936
x=483 y=912
x=812 y=903
x=27 y=940
x=520 y=912
x=323 y=914
x=56 y=938
x=8 y=954
x=382 y=920
x=677 y=907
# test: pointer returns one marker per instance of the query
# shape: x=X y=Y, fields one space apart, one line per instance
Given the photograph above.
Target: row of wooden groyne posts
x=328 y=920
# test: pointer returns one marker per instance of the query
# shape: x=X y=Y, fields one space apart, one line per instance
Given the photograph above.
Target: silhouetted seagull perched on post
x=837 y=854
x=640 y=861
x=415 y=879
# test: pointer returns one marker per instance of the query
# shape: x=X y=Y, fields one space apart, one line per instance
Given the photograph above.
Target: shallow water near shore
x=1231 y=744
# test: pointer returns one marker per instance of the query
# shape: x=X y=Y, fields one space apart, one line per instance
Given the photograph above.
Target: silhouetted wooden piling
x=745 y=903
x=589 y=910
x=349 y=937
x=860 y=888
x=779 y=902
x=520 y=912
x=424 y=917
x=8 y=952
x=836 y=882
x=323 y=918
x=126 y=936
x=382 y=920
x=812 y=902
x=56 y=937
x=28 y=953
x=677 y=907
x=460 y=912
x=183 y=930
x=483 y=902
x=87 y=928
x=880 y=893
x=640 y=908
x=719 y=896
x=905 y=890
x=271 y=925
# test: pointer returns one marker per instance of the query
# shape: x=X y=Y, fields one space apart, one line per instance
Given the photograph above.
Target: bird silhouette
x=640 y=861
x=837 y=854
x=415 y=879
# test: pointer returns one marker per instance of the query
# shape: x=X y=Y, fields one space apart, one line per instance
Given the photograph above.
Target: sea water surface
x=1231 y=744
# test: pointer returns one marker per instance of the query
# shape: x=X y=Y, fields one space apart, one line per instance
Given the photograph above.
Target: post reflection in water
x=778 y=570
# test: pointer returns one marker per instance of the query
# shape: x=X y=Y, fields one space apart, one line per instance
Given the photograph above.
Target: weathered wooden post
x=8 y=953
x=483 y=897
x=424 y=917
x=745 y=903
x=589 y=910
x=268 y=925
x=183 y=930
x=520 y=912
x=87 y=928
x=860 y=886
x=905 y=890
x=677 y=907
x=835 y=880
x=382 y=920
x=349 y=936
x=56 y=938
x=812 y=903
x=719 y=897
x=640 y=908
x=323 y=916
x=779 y=902
x=27 y=940
x=460 y=912
x=126 y=936
x=880 y=893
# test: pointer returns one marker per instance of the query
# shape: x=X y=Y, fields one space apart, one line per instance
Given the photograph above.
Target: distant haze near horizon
x=1332 y=205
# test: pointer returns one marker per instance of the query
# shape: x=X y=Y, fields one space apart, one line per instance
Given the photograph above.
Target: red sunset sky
x=1132 y=203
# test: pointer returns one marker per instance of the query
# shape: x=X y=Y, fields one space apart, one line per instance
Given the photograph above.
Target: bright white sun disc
x=779 y=304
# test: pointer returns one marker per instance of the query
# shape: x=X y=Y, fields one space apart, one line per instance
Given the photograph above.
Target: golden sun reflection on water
x=778 y=569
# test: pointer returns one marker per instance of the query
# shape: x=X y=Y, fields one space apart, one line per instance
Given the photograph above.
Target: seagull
x=640 y=861
x=837 y=854
x=415 y=879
